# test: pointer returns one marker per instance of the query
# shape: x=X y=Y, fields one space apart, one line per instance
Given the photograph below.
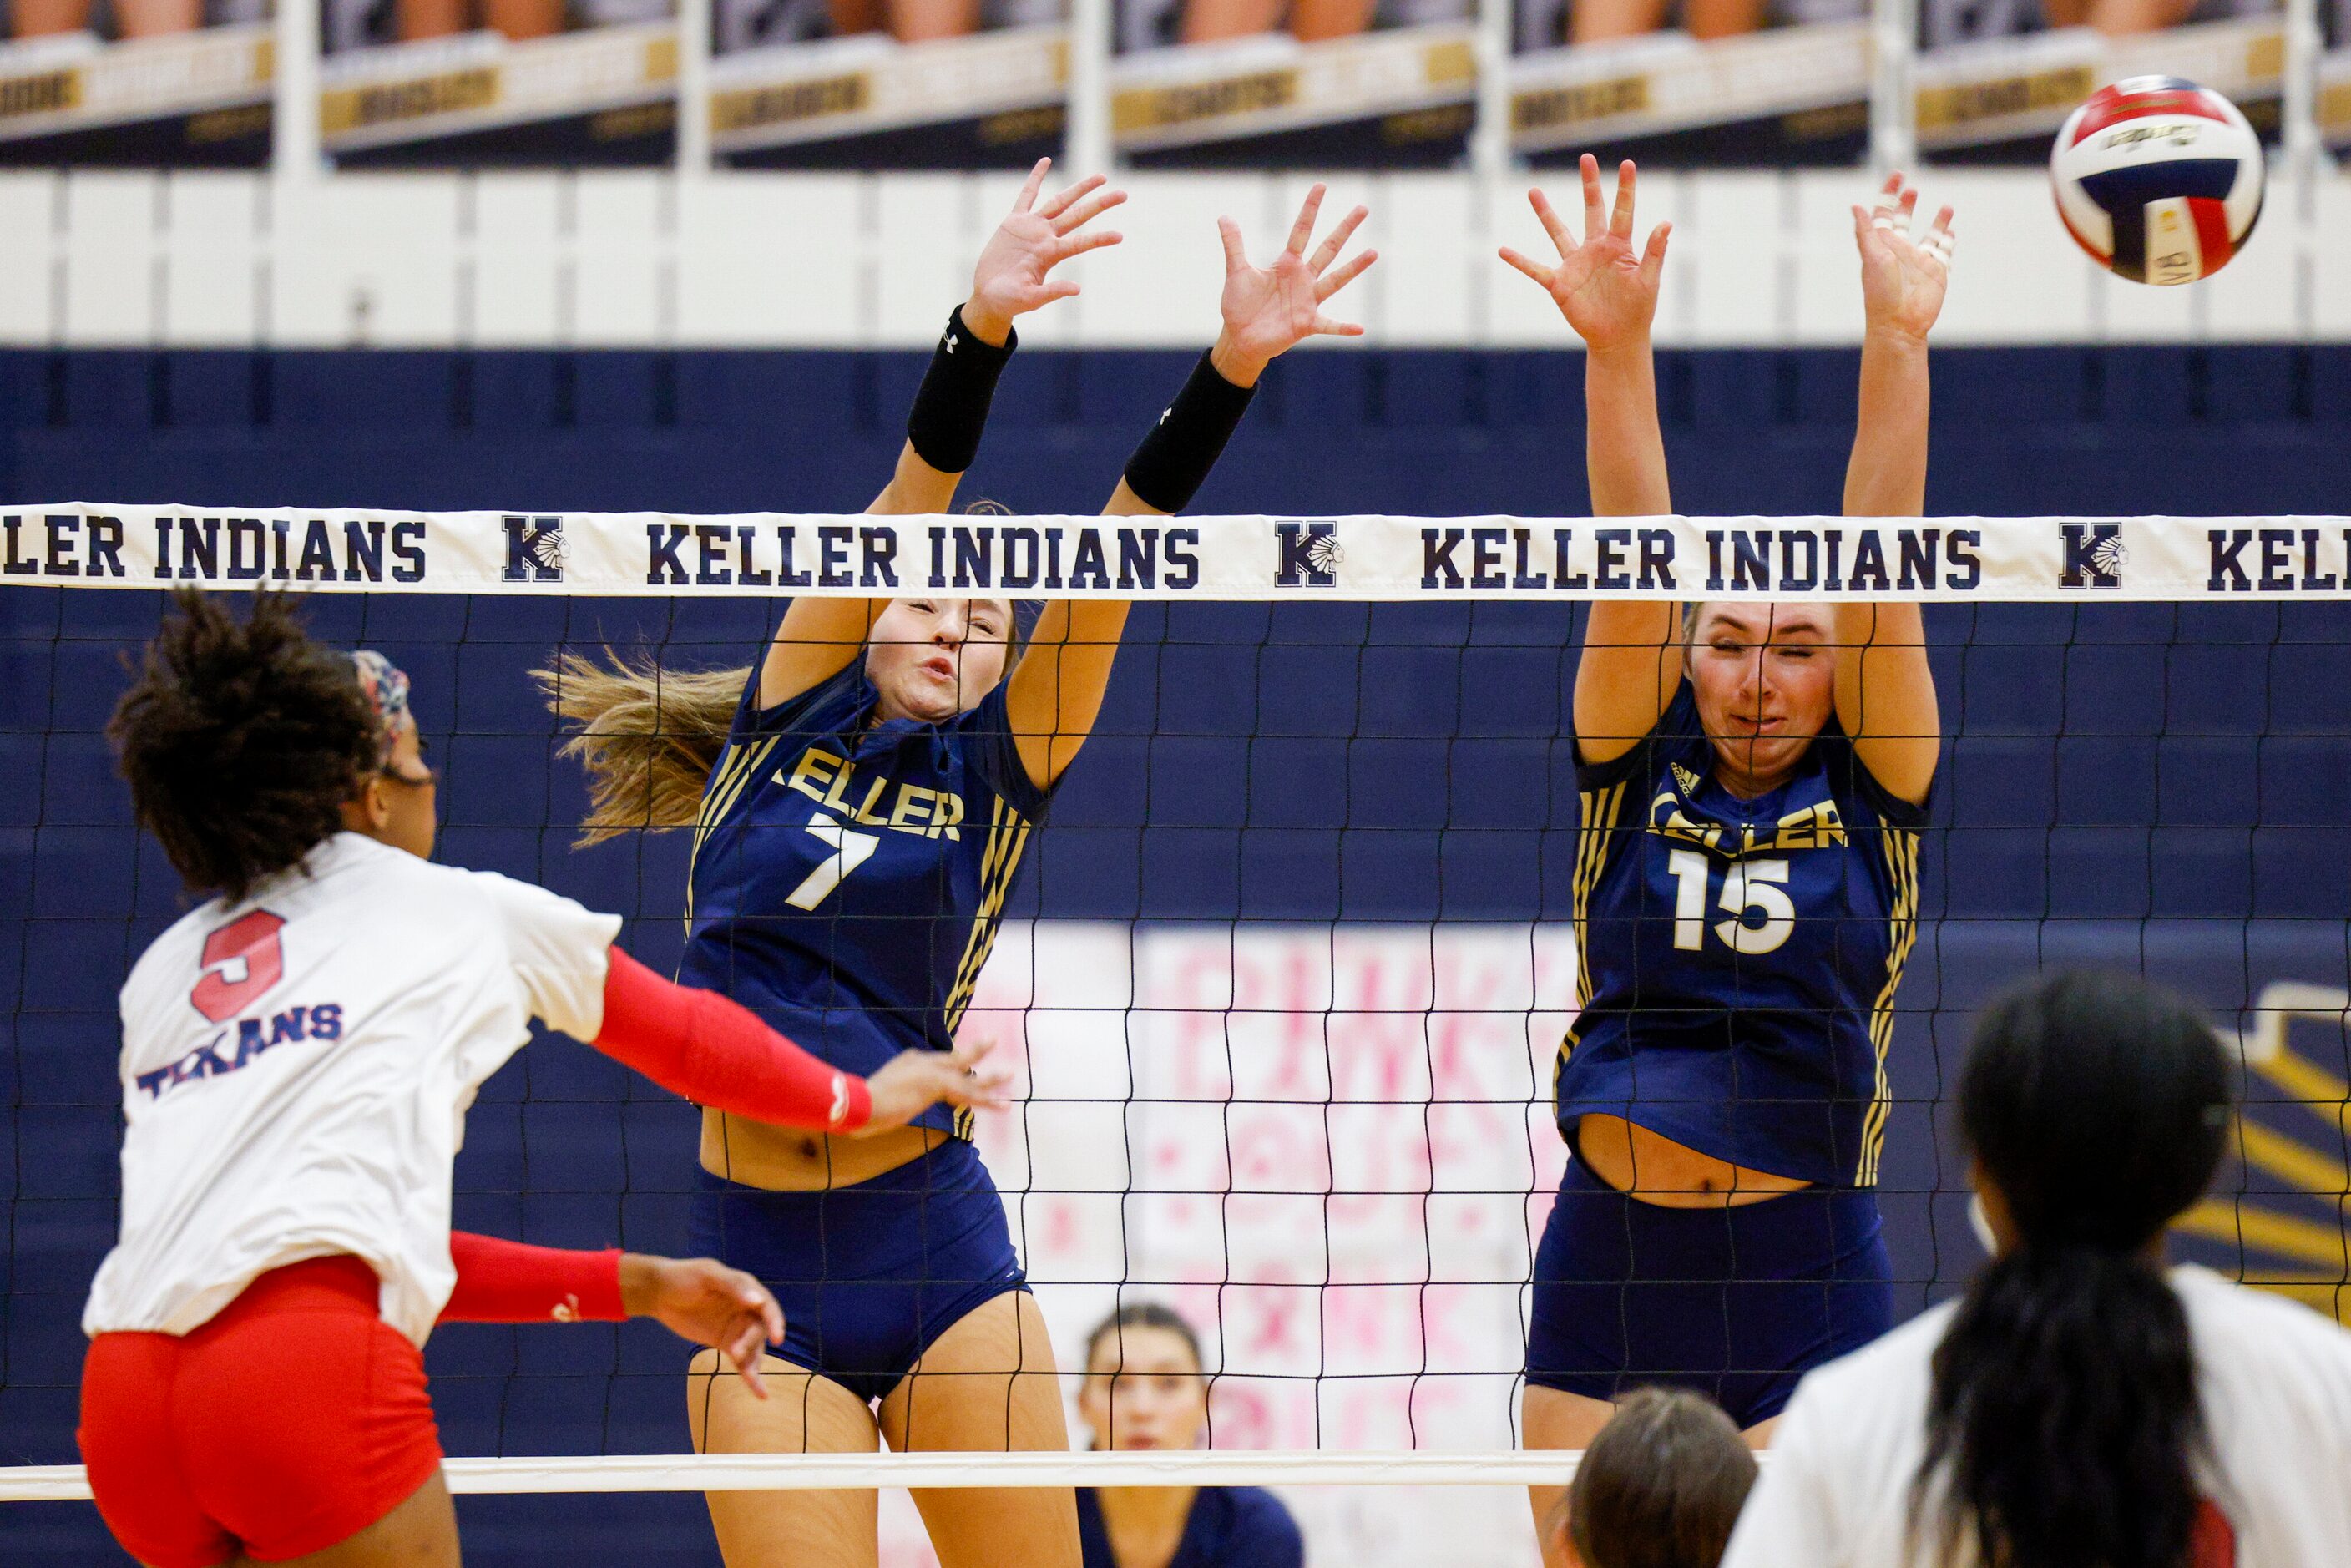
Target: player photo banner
x=773 y=555
x=1780 y=97
x=2001 y=99
x=1345 y=84
x=865 y=100
x=2335 y=75
x=604 y=93
x=196 y=99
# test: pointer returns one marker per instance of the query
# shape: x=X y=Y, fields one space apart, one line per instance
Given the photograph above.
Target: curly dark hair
x=240 y=741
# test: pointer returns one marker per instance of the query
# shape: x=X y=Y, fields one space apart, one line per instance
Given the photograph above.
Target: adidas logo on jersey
x=1685 y=778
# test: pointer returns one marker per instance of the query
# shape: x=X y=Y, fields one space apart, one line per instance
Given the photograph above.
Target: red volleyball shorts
x=288 y=1423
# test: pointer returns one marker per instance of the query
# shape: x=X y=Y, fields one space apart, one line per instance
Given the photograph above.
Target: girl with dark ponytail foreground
x=2081 y=1407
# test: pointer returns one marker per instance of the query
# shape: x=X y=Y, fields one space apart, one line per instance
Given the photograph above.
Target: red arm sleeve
x=511 y=1282
x=714 y=1052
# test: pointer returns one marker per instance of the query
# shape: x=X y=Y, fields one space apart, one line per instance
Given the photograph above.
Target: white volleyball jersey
x=2273 y=1377
x=297 y=1070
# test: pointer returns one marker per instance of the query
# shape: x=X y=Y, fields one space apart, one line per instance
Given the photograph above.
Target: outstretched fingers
x=1554 y=225
x=1059 y=202
x=1304 y=229
x=1324 y=327
x=1032 y=186
x=1589 y=167
x=1897 y=203
x=1620 y=220
x=1349 y=271
x=1236 y=258
x=1653 y=257
x=1941 y=239
x=1081 y=213
x=1540 y=274
x=1078 y=245
x=1328 y=251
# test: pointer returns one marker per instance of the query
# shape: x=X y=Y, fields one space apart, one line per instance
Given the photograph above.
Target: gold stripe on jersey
x=1595 y=839
x=1008 y=836
x=738 y=765
x=1900 y=846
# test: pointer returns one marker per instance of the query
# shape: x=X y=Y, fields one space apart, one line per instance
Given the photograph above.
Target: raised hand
x=1012 y=278
x=912 y=1082
x=704 y=1300
x=1268 y=310
x=1902 y=279
x=1606 y=289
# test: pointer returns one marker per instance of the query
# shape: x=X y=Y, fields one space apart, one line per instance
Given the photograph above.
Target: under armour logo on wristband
x=840 y=1113
x=566 y=1310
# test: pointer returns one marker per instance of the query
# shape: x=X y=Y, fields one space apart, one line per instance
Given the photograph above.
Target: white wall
x=595 y=259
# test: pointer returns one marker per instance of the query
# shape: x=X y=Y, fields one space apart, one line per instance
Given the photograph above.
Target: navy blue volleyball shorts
x=1737 y=1303
x=869 y=1276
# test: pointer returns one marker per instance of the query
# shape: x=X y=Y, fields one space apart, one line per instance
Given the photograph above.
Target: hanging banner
x=849 y=84
x=1754 y=89
x=2334 y=76
x=1325 y=84
x=1991 y=90
x=157 y=88
x=771 y=555
x=429 y=83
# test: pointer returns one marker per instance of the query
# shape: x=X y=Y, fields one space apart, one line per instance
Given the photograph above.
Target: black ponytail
x=2063 y=1428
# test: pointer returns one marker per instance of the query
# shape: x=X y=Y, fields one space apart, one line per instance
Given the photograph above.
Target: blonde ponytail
x=646 y=736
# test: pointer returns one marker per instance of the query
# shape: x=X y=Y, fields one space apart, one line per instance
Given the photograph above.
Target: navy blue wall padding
x=2163 y=788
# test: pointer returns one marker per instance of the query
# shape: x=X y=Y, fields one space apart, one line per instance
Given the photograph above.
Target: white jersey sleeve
x=296 y=1072
x=2274 y=1377
x=561 y=951
x=1789 y=1520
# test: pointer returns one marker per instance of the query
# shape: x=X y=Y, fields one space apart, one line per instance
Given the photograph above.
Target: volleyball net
x=1289 y=965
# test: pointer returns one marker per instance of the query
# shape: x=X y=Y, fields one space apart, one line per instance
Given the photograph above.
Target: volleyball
x=2158 y=179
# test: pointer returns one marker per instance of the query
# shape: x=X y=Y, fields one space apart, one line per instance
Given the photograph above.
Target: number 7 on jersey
x=851 y=850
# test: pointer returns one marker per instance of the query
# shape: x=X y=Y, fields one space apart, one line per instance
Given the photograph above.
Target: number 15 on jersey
x=1750 y=889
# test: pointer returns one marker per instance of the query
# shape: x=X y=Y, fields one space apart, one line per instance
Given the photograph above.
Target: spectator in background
x=2079 y=1404
x=908 y=21
x=2118 y=18
x=1145 y=1388
x=1659 y=1488
x=133 y=18
x=1602 y=21
x=1309 y=21
x=517 y=19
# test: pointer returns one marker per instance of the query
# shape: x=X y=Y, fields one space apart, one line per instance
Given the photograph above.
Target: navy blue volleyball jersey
x=849 y=877
x=1737 y=960
x=1228 y=1527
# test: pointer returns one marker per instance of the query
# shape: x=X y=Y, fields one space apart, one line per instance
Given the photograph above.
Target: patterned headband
x=385 y=685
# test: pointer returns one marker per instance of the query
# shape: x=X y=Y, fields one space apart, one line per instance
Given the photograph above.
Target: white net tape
x=640 y=554
x=819 y=1472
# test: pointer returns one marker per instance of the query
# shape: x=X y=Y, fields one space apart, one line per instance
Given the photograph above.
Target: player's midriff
x=789 y=1159
x=1655 y=1170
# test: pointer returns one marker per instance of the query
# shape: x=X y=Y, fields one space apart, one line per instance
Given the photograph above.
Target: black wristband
x=1173 y=462
x=951 y=409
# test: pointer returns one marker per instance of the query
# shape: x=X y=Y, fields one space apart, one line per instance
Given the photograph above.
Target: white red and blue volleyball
x=2158 y=179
